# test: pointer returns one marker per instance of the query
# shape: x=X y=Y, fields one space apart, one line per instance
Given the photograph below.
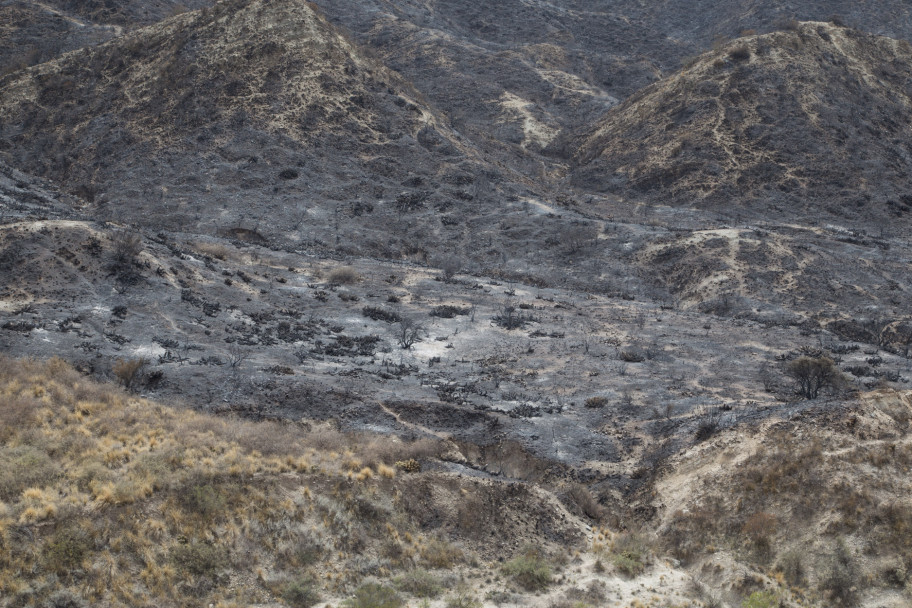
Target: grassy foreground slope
x=109 y=500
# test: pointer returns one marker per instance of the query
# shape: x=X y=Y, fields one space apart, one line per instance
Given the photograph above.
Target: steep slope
x=512 y=74
x=256 y=112
x=820 y=501
x=703 y=21
x=111 y=500
x=32 y=33
x=127 y=13
x=810 y=122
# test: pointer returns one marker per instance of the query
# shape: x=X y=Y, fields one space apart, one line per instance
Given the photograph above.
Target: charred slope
x=126 y=13
x=806 y=123
x=31 y=34
x=512 y=75
x=702 y=21
x=239 y=113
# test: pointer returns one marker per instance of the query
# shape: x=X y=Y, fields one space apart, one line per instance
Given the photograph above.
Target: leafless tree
x=125 y=250
x=237 y=354
x=579 y=237
x=510 y=317
x=409 y=332
x=450 y=266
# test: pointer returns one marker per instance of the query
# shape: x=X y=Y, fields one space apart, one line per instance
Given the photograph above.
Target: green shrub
x=65 y=551
x=630 y=554
x=529 y=570
x=761 y=599
x=463 y=599
x=23 y=467
x=791 y=565
x=199 y=559
x=440 y=554
x=420 y=583
x=302 y=549
x=840 y=575
x=204 y=500
x=374 y=595
x=64 y=598
x=300 y=593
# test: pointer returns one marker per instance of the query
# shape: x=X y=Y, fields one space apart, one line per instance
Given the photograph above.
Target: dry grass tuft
x=343 y=275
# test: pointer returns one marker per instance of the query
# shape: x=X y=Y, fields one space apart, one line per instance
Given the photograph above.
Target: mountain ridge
x=778 y=119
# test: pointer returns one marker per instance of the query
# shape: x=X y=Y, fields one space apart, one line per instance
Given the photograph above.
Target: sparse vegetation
x=420 y=583
x=374 y=595
x=761 y=599
x=301 y=593
x=663 y=253
x=630 y=554
x=530 y=570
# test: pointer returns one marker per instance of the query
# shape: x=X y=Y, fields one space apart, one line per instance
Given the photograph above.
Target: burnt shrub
x=380 y=314
x=348 y=346
x=124 y=262
x=740 y=53
x=597 y=402
x=811 y=374
x=632 y=355
x=509 y=317
x=448 y=311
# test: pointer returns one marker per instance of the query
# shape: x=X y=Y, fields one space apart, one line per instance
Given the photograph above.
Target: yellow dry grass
x=123 y=501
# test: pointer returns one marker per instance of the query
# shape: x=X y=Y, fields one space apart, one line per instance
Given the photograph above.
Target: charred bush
x=380 y=314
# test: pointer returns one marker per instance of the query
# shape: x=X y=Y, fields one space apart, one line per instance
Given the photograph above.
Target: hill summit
x=245 y=100
x=814 y=118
